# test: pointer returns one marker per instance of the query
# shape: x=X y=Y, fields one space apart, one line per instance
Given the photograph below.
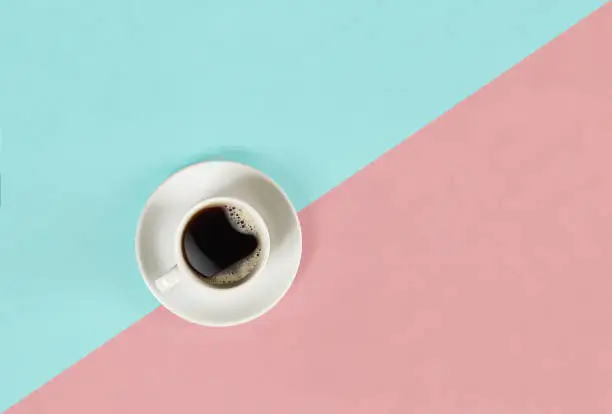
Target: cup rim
x=181 y=263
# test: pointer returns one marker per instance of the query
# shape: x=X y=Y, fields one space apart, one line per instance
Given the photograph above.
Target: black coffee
x=221 y=245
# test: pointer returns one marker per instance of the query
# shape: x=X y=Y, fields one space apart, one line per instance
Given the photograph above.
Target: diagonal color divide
x=101 y=100
x=465 y=271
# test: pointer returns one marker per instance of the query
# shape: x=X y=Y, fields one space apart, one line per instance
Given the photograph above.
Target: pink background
x=468 y=270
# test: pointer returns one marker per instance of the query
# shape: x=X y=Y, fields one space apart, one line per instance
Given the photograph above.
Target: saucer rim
x=298 y=247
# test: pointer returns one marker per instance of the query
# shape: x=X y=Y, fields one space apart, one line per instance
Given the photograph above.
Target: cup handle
x=168 y=280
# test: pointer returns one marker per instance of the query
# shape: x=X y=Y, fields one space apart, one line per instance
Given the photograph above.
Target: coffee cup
x=220 y=243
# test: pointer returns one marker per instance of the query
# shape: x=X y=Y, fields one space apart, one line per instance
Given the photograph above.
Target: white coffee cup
x=181 y=272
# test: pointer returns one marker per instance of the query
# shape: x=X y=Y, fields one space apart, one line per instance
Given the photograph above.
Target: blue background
x=100 y=101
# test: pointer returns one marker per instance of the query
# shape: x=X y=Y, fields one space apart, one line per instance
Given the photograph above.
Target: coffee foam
x=240 y=271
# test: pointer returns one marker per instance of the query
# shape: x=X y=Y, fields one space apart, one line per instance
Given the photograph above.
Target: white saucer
x=166 y=207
